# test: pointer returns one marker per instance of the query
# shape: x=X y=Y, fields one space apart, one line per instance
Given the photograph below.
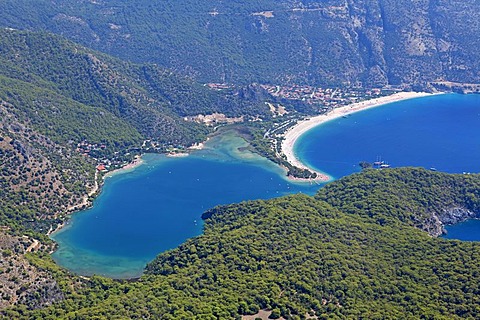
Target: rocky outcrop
x=435 y=225
x=457 y=214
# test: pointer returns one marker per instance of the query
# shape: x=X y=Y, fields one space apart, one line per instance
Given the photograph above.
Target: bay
x=159 y=205
x=440 y=132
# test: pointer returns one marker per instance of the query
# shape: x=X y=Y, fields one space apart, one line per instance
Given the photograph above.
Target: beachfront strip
x=292 y=134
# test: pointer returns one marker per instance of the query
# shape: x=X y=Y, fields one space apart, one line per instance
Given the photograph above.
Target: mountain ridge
x=334 y=42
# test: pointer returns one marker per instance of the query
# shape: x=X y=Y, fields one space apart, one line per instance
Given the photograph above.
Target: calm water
x=158 y=206
x=441 y=132
x=467 y=231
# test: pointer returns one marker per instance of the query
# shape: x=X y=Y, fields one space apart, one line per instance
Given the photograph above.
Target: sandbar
x=128 y=167
x=291 y=136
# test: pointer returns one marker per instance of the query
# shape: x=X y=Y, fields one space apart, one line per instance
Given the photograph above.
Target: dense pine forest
x=333 y=42
x=59 y=99
x=151 y=99
x=302 y=257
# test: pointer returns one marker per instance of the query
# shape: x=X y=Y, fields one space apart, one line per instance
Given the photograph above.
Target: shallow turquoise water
x=158 y=206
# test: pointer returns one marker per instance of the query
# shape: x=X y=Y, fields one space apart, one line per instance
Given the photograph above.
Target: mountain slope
x=64 y=110
x=334 y=42
x=152 y=99
x=41 y=175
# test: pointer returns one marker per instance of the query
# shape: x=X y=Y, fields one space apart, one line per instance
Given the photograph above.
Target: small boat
x=433 y=169
x=379 y=162
x=384 y=165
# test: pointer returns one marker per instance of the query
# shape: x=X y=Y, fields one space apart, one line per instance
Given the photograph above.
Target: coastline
x=52 y=231
x=295 y=132
x=85 y=199
x=137 y=161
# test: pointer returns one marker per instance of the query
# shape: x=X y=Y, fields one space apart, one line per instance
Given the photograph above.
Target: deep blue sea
x=440 y=132
x=467 y=231
x=158 y=205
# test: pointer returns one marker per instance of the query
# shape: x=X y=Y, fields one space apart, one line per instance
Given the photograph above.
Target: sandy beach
x=301 y=127
x=135 y=163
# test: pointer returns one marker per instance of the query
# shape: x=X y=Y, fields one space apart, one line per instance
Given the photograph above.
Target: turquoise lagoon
x=158 y=205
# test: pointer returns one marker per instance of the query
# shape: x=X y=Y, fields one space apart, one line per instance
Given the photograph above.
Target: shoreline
x=137 y=161
x=322 y=177
x=85 y=199
x=52 y=231
x=295 y=132
x=96 y=188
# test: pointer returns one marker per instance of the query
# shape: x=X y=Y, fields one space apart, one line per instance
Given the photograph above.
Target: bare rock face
x=435 y=224
x=457 y=214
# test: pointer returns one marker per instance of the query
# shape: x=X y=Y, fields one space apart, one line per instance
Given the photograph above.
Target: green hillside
x=423 y=199
x=63 y=119
x=300 y=256
x=64 y=110
x=364 y=247
x=151 y=99
x=332 y=42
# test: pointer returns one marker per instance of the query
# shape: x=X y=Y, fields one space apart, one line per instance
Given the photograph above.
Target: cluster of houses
x=326 y=97
x=87 y=148
x=95 y=151
x=120 y=159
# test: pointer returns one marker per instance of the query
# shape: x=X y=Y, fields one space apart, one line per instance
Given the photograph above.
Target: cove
x=157 y=206
x=441 y=132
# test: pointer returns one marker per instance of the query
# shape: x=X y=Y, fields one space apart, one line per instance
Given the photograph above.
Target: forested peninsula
x=357 y=249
